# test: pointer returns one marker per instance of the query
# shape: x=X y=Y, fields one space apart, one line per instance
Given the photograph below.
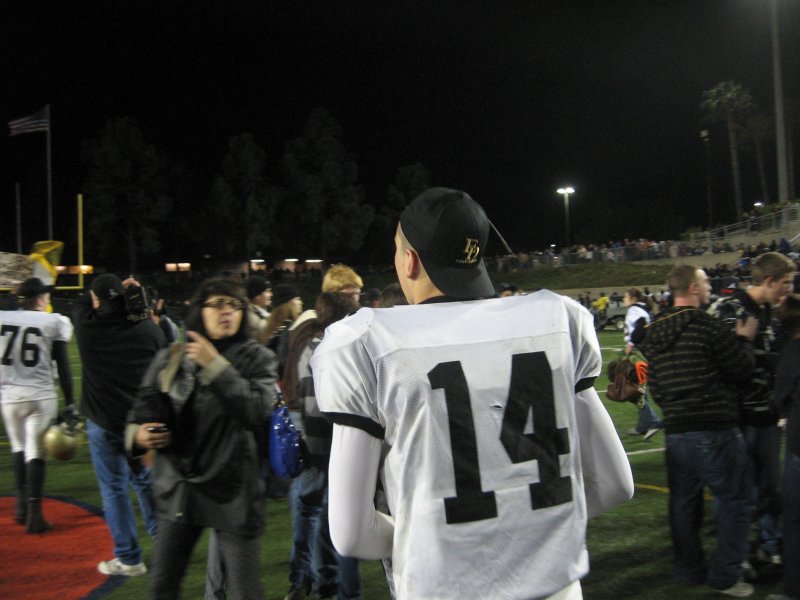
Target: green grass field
x=629 y=547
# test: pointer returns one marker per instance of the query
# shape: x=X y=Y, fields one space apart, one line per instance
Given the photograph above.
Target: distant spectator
x=371 y=298
x=259 y=292
x=506 y=289
x=392 y=295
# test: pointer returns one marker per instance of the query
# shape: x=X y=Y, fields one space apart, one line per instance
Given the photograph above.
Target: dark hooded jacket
x=695 y=363
x=210 y=474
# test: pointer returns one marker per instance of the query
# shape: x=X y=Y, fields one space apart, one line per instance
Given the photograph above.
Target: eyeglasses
x=220 y=304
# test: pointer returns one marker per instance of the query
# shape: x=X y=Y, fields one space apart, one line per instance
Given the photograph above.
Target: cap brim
x=469 y=283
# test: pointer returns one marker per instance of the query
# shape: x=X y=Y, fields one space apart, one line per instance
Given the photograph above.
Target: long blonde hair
x=288 y=311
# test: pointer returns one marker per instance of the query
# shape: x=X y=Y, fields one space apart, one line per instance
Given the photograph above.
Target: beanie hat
x=256 y=285
x=30 y=288
x=282 y=293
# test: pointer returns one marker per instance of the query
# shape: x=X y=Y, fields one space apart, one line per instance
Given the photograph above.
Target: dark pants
x=173 y=547
x=791 y=525
x=763 y=447
x=717 y=460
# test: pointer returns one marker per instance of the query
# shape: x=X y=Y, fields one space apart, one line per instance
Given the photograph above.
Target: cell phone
x=160 y=429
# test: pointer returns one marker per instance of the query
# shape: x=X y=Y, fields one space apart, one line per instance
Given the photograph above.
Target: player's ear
x=412 y=263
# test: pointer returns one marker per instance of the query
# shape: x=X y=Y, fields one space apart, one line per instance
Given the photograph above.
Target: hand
x=200 y=350
x=68 y=414
x=747 y=327
x=152 y=439
x=627 y=349
x=130 y=281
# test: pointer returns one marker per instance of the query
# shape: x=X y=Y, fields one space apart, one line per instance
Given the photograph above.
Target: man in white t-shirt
x=496 y=448
x=30 y=340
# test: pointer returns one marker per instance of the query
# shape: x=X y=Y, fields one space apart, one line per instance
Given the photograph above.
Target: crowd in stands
x=625 y=251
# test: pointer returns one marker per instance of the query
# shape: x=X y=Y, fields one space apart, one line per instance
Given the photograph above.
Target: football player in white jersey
x=496 y=446
x=30 y=340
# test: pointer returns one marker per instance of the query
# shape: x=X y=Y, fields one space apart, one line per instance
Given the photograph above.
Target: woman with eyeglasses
x=201 y=407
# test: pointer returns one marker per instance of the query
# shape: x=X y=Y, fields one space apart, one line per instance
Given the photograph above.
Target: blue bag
x=285 y=449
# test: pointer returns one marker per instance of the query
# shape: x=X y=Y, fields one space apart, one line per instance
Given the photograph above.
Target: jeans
x=791 y=525
x=215 y=570
x=648 y=417
x=314 y=561
x=763 y=447
x=114 y=476
x=717 y=460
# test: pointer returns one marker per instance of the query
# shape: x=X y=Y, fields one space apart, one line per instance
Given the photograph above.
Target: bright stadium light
x=566 y=191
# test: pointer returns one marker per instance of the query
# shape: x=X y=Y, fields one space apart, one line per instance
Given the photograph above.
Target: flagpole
x=19 y=218
x=49 y=178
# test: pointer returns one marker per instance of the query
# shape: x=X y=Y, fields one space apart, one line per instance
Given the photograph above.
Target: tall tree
x=730 y=102
x=324 y=207
x=126 y=194
x=409 y=182
x=242 y=203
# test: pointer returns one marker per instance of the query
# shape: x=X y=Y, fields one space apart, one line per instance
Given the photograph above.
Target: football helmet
x=61 y=440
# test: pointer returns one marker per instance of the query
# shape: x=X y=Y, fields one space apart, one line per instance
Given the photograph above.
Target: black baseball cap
x=109 y=290
x=32 y=287
x=449 y=231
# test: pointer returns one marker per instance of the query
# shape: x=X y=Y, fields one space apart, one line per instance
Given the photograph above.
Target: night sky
x=506 y=100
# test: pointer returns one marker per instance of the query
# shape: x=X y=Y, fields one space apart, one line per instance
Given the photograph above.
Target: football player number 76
x=531 y=389
x=29 y=350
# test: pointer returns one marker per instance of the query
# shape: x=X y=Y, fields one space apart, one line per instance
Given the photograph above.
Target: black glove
x=68 y=414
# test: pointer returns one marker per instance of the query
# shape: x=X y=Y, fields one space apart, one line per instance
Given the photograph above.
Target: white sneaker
x=740 y=589
x=773 y=559
x=651 y=432
x=115 y=567
x=748 y=572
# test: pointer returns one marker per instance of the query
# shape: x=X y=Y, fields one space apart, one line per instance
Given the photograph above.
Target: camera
x=136 y=303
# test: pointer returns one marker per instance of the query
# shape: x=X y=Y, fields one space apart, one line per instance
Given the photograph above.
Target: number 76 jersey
x=475 y=402
x=26 y=344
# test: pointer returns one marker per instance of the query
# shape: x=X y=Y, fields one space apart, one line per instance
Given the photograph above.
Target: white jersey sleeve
x=476 y=405
x=26 y=344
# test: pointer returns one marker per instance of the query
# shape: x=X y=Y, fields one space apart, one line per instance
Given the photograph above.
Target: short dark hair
x=680 y=278
x=634 y=292
x=217 y=286
x=771 y=264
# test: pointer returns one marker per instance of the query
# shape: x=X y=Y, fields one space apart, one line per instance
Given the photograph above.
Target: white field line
x=646 y=451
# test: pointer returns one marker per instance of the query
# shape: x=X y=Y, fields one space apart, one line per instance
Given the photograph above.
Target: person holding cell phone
x=201 y=408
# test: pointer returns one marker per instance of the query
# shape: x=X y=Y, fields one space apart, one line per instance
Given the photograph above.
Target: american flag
x=39 y=121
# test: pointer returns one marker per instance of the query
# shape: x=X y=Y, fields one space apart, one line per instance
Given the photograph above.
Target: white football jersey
x=26 y=343
x=476 y=403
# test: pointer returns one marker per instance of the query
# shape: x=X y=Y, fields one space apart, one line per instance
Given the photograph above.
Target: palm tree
x=730 y=102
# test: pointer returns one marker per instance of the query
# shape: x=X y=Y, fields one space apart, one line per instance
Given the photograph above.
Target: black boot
x=21 y=508
x=35 y=522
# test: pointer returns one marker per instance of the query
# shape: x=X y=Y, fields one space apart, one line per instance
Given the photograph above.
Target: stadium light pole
x=566 y=191
x=780 y=124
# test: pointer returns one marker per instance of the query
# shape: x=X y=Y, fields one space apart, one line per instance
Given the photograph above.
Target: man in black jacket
x=115 y=351
x=694 y=364
x=772 y=275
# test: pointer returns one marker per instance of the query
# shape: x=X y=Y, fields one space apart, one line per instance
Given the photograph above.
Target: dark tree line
x=142 y=206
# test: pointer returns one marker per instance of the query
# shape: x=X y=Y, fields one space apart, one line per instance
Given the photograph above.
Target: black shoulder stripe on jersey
x=362 y=423
x=584 y=384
